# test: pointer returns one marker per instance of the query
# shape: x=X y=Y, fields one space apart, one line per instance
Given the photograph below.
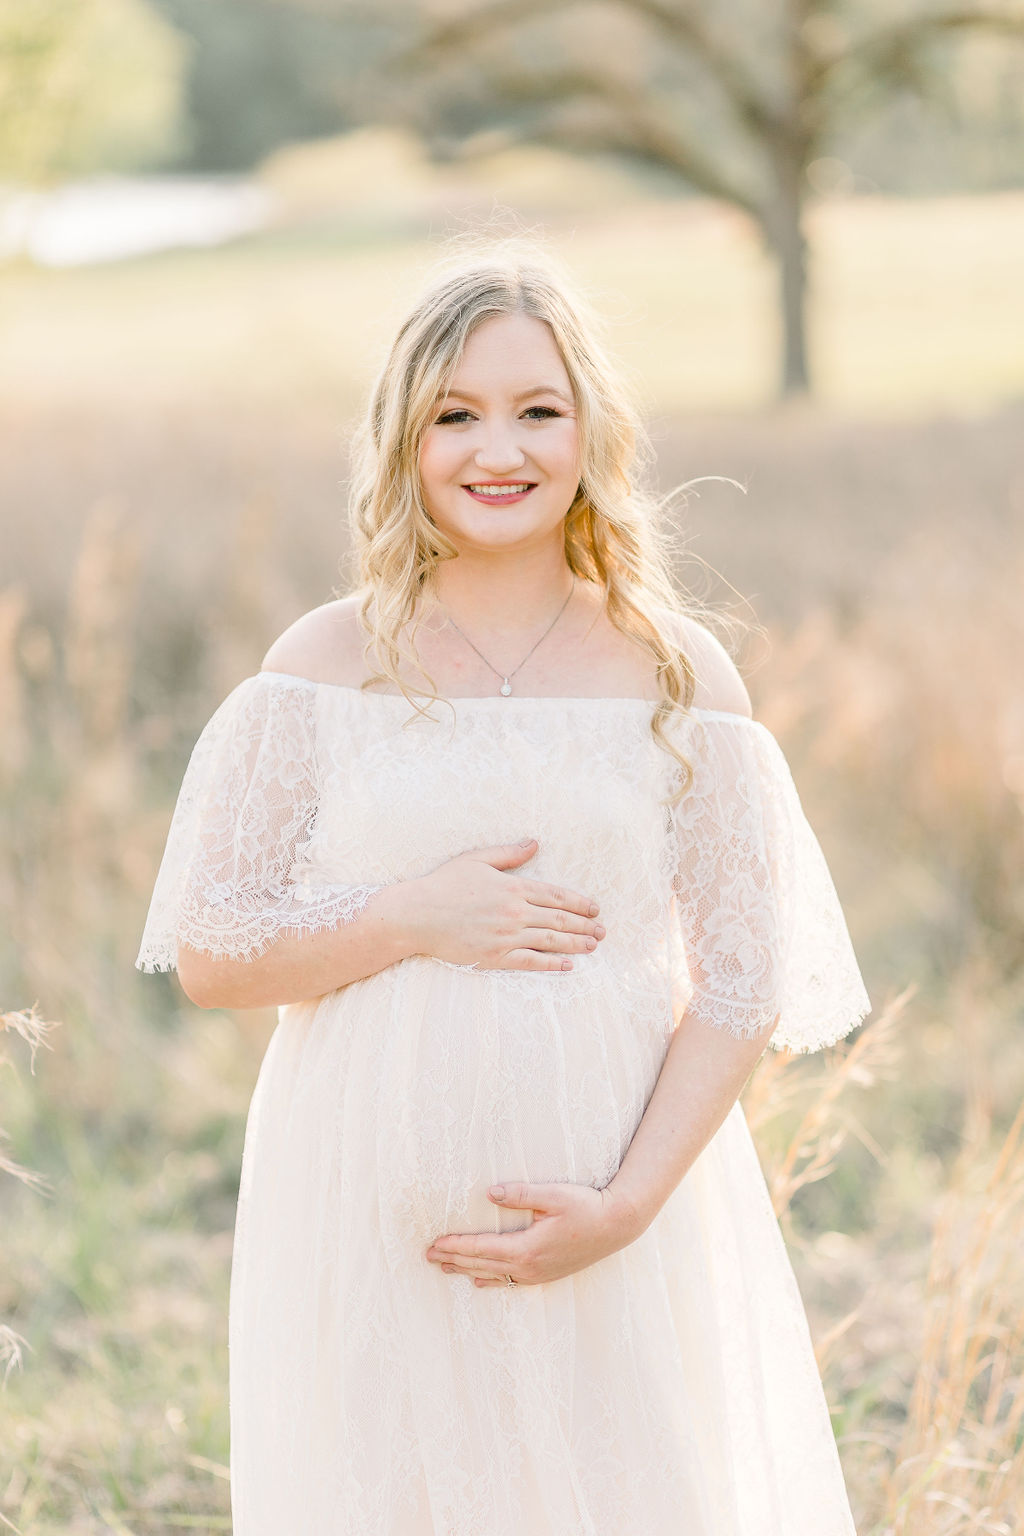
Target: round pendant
x=506 y=688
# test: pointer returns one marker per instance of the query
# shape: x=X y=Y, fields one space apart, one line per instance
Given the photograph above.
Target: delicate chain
x=506 y=677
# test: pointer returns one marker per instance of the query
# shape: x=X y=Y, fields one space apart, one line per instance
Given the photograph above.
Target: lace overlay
x=765 y=935
x=235 y=873
x=670 y=1387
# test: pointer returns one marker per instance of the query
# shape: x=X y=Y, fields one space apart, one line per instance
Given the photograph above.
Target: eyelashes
x=448 y=419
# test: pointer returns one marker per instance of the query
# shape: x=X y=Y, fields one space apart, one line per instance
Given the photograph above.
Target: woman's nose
x=498 y=453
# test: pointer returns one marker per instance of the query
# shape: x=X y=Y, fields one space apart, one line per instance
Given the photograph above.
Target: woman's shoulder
x=719 y=685
x=324 y=645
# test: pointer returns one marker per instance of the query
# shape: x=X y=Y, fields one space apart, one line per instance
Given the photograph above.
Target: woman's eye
x=454 y=418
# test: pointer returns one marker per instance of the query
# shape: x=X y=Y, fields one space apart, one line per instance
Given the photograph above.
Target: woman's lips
x=502 y=499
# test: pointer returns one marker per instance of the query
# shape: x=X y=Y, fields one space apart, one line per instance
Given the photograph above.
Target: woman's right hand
x=474 y=910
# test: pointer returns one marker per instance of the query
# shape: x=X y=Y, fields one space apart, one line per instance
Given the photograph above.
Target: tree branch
x=888 y=46
x=637 y=126
x=679 y=22
x=688 y=27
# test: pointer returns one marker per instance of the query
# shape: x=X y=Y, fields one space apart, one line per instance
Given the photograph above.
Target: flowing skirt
x=670 y=1389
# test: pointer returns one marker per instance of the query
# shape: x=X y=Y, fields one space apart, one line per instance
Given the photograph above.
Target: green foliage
x=261 y=75
x=87 y=85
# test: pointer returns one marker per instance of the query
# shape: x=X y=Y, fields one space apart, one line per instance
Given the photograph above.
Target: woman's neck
x=501 y=596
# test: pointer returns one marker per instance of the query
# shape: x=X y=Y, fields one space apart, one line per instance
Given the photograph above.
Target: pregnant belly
x=438 y=1083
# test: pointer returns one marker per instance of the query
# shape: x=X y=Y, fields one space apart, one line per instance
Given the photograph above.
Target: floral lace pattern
x=301 y=800
x=765 y=934
x=233 y=877
x=670 y=1387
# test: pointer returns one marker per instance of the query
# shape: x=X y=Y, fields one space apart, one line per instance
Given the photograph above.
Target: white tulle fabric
x=669 y=1389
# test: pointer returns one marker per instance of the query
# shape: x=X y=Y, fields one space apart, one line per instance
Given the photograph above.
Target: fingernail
x=600 y=931
x=498 y=1192
x=594 y=909
x=526 y=842
x=566 y=965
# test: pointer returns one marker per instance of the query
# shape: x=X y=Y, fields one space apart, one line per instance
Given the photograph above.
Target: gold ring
x=511 y=1281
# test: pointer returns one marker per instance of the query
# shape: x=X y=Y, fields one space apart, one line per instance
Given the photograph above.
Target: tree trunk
x=785 y=234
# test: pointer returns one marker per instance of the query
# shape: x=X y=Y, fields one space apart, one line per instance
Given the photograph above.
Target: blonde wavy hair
x=613 y=532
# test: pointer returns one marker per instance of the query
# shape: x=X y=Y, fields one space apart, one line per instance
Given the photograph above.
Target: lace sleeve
x=764 y=933
x=230 y=882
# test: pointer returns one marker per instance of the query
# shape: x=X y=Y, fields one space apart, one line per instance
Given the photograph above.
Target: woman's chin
x=501 y=534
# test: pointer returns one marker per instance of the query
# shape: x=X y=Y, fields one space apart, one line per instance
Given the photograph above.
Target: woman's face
x=509 y=419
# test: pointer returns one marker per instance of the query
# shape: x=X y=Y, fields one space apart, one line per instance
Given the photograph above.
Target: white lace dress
x=671 y=1388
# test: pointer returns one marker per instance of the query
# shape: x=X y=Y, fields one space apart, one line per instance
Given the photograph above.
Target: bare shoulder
x=324 y=645
x=719 y=684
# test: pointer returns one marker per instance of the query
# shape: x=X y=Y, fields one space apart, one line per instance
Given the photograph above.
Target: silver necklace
x=506 y=677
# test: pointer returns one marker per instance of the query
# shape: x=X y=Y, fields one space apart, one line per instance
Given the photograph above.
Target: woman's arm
x=704 y=1069
x=474 y=909
x=702 y=1076
x=301 y=966
x=575 y=1225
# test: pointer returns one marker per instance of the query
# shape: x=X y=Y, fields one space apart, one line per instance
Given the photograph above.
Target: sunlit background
x=804 y=223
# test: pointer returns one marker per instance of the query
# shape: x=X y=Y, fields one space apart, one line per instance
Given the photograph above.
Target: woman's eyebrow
x=524 y=394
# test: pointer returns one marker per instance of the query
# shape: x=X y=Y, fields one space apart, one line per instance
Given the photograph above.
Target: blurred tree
x=87 y=85
x=737 y=100
x=263 y=73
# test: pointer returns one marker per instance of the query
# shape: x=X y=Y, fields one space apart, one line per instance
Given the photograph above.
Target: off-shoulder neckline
x=511 y=699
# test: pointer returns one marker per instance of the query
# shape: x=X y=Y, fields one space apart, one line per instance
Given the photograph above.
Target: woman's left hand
x=573 y=1226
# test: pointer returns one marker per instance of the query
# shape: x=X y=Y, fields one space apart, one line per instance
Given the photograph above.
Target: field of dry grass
x=172 y=494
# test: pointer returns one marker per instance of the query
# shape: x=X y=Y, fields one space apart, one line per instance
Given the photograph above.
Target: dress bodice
x=302 y=799
x=403 y=793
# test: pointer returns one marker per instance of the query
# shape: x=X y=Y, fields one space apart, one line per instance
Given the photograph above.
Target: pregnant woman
x=532 y=892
